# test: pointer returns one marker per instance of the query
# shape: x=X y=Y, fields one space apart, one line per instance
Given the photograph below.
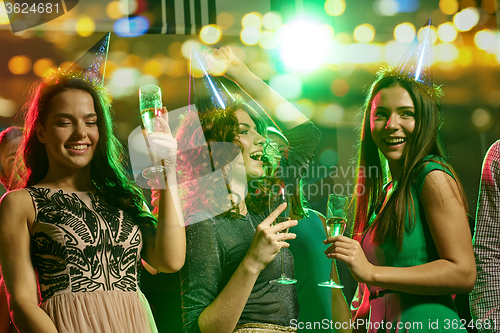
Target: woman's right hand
x=350 y=252
x=269 y=239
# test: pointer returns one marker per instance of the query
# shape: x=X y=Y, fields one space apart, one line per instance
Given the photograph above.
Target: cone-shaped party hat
x=93 y=63
x=206 y=90
x=417 y=60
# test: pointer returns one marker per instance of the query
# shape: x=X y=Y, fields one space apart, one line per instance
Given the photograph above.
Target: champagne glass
x=277 y=196
x=151 y=107
x=335 y=226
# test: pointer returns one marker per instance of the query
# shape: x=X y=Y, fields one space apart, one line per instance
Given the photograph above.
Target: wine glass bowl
x=335 y=226
x=277 y=196
x=151 y=107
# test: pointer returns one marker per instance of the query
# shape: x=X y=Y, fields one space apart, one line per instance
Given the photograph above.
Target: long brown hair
x=108 y=166
x=198 y=162
x=369 y=192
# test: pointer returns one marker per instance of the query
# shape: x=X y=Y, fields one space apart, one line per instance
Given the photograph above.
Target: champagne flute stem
x=282 y=266
x=332 y=269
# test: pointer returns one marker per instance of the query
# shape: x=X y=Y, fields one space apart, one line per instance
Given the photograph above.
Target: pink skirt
x=100 y=312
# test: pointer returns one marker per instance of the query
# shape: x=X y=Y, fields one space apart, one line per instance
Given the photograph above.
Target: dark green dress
x=412 y=313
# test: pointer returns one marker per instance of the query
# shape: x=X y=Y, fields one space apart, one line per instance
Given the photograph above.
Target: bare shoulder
x=439 y=183
x=442 y=198
x=16 y=206
x=15 y=198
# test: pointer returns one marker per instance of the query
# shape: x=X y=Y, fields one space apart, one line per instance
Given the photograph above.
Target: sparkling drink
x=335 y=226
x=148 y=119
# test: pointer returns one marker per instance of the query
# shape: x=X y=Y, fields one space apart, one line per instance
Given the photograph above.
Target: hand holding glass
x=277 y=196
x=151 y=108
x=335 y=226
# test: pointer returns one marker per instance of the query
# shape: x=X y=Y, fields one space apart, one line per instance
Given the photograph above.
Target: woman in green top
x=411 y=243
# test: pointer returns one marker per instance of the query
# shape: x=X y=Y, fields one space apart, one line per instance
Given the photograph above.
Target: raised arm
x=16 y=213
x=264 y=95
x=454 y=272
x=484 y=298
x=166 y=248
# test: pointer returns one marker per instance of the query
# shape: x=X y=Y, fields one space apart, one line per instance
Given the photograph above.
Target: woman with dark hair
x=231 y=242
x=411 y=246
x=78 y=225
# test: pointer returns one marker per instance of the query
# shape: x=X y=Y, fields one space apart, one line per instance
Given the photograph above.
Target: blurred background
x=320 y=55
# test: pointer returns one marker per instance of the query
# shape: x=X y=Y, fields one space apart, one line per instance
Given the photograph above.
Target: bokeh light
x=153 y=68
x=122 y=82
x=404 y=33
x=268 y=40
x=465 y=57
x=364 y=33
x=335 y=7
x=446 y=52
x=481 y=118
x=85 y=26
x=210 y=34
x=448 y=7
x=428 y=31
x=186 y=47
x=65 y=65
x=111 y=67
x=328 y=157
x=59 y=38
x=41 y=66
x=127 y=7
x=132 y=60
x=394 y=51
x=250 y=35
x=333 y=113
x=447 y=32
x=306 y=107
x=19 y=65
x=466 y=19
x=340 y=87
x=305 y=45
x=271 y=20
x=113 y=10
x=225 y=20
x=253 y=19
x=7 y=107
x=386 y=7
x=490 y=6
x=485 y=39
x=131 y=27
x=408 y=6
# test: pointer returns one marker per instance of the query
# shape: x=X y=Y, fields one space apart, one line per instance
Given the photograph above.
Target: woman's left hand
x=350 y=251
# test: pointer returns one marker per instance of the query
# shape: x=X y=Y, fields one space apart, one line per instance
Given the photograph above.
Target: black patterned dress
x=86 y=255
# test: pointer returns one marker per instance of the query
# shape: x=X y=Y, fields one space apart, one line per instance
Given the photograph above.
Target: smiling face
x=252 y=145
x=392 y=122
x=70 y=133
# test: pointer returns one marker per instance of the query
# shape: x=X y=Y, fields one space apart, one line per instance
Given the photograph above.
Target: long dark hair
x=369 y=192
x=197 y=161
x=107 y=168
